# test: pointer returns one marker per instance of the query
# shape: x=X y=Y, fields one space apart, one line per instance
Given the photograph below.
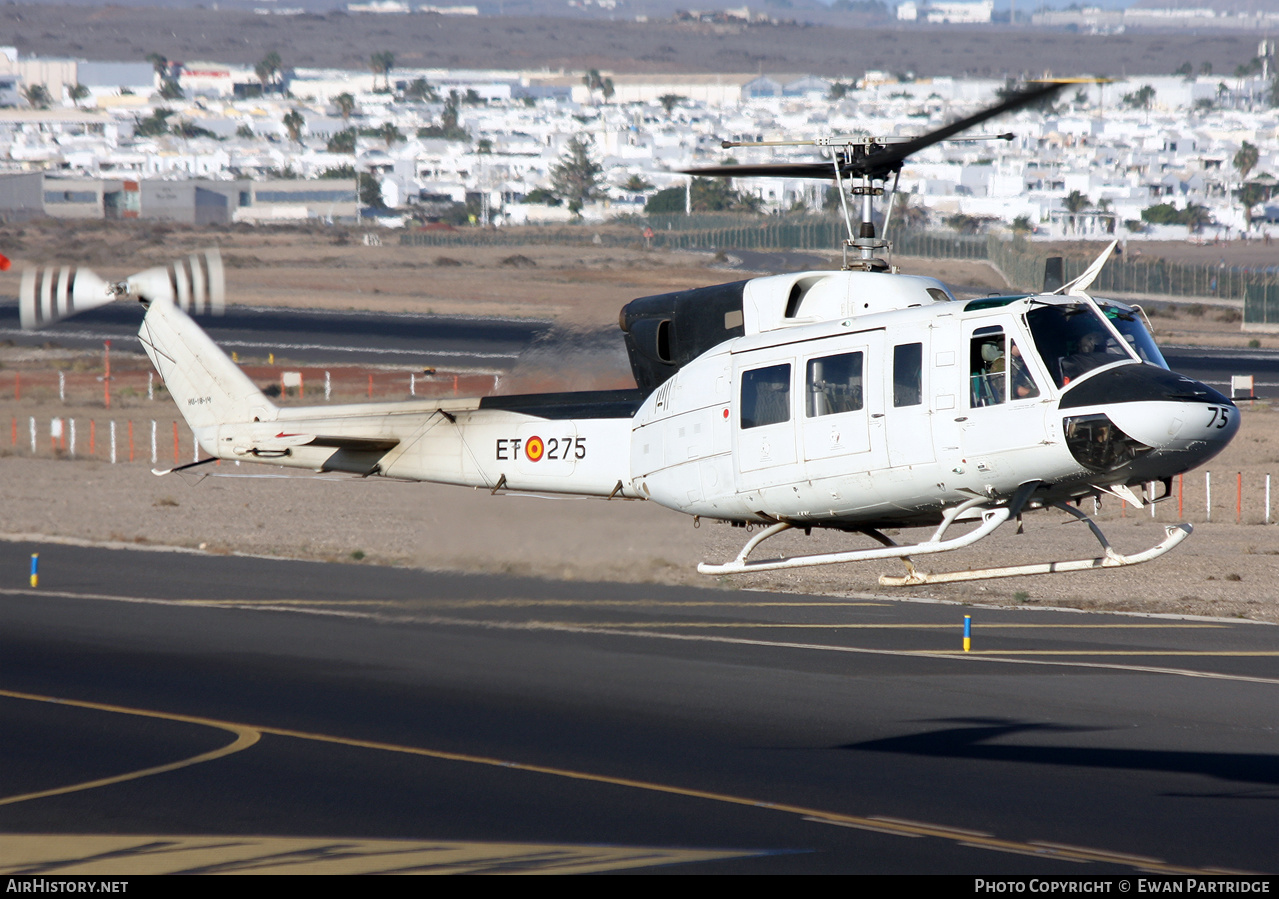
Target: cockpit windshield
x=1128 y=322
x=1072 y=340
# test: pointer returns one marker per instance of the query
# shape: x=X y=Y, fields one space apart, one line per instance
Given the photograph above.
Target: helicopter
x=861 y=400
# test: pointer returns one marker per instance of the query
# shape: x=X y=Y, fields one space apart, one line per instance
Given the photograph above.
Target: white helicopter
x=857 y=400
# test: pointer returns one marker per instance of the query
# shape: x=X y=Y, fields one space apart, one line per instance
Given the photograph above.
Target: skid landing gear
x=991 y=519
x=1109 y=559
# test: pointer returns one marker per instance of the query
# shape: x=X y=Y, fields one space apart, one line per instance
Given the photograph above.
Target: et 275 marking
x=534 y=449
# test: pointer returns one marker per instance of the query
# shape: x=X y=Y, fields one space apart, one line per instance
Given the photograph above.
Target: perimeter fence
x=1022 y=262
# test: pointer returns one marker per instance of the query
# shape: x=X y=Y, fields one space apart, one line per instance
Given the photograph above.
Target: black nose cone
x=1139 y=384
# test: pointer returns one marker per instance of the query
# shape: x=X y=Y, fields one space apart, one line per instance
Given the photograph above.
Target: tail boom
x=453 y=441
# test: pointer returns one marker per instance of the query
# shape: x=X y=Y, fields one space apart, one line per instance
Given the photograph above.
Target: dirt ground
x=1226 y=568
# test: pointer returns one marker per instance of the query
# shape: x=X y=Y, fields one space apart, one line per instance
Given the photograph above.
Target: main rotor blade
x=879 y=161
x=766 y=170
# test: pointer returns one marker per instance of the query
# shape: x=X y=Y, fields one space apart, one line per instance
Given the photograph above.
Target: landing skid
x=1109 y=559
x=991 y=519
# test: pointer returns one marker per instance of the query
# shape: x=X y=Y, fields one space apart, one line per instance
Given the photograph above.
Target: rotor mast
x=867 y=162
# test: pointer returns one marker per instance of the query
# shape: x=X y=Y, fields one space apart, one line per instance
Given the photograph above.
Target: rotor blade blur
x=882 y=162
x=767 y=170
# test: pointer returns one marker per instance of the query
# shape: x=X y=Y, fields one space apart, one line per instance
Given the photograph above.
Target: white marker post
x=113 y=441
x=1267 y=499
x=33 y=435
x=62 y=386
x=154 y=456
x=1208 y=494
x=328 y=387
x=71 y=437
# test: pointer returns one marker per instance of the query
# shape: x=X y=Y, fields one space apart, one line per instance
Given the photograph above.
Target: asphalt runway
x=309 y=335
x=175 y=711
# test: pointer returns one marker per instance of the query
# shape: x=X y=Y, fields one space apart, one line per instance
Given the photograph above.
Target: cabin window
x=908 y=374
x=998 y=371
x=765 y=396
x=987 y=361
x=834 y=384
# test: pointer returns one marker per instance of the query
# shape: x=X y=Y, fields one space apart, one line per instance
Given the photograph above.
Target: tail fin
x=208 y=387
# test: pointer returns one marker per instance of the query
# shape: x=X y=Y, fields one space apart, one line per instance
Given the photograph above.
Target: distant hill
x=339 y=40
x=1221 y=6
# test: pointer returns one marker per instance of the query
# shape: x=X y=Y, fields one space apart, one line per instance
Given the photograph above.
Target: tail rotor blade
x=50 y=294
x=196 y=284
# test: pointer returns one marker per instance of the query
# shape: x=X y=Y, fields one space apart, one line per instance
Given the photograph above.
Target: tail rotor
x=196 y=284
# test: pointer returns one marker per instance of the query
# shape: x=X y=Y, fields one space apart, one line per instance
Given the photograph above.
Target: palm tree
x=1197 y=217
x=389 y=133
x=263 y=73
x=346 y=105
x=77 y=92
x=1246 y=160
x=419 y=89
x=268 y=71
x=593 y=81
x=1075 y=203
x=1104 y=205
x=381 y=64
x=294 y=123
x=37 y=96
x=669 y=102
x=160 y=63
x=1250 y=194
x=275 y=66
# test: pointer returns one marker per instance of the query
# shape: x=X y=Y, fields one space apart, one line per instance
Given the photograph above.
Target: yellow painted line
x=1115 y=652
x=66 y=855
x=871 y=627
x=538 y=603
x=244 y=738
x=885 y=825
x=958 y=656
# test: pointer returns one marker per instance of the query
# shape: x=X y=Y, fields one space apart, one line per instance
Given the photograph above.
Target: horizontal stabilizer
x=279 y=443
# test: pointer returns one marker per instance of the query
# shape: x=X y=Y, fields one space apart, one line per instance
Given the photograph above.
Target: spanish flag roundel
x=533 y=448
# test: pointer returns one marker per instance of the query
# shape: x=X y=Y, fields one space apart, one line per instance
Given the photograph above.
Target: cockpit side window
x=765 y=396
x=1128 y=322
x=1072 y=341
